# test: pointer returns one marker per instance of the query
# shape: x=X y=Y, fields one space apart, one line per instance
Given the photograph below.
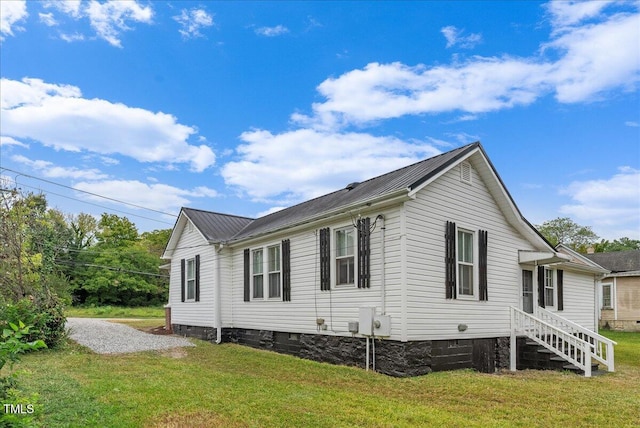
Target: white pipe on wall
x=218 y=303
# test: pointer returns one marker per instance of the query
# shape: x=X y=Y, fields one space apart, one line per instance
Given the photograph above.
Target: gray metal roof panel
x=216 y=227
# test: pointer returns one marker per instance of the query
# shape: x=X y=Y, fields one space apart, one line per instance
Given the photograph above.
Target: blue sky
x=247 y=107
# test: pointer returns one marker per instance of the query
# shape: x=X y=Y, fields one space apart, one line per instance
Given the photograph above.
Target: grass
x=234 y=386
x=115 y=312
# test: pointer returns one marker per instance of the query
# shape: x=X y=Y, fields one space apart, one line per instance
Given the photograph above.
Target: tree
x=32 y=237
x=120 y=269
x=621 y=244
x=563 y=230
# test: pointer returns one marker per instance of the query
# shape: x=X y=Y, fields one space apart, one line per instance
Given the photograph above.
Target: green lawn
x=230 y=385
x=114 y=312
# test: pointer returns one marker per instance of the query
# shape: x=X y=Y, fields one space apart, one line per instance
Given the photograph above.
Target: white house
x=429 y=267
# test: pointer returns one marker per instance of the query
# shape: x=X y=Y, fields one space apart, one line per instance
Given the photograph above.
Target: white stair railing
x=573 y=349
x=603 y=347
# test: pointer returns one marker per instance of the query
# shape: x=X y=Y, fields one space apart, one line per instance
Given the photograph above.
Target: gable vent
x=465 y=172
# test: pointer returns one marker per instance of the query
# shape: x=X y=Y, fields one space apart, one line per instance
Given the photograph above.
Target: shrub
x=45 y=315
x=12 y=344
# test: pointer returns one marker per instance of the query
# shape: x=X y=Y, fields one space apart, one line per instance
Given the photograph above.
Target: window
x=549 y=289
x=345 y=256
x=258 y=278
x=465 y=263
x=606 y=296
x=273 y=254
x=191 y=279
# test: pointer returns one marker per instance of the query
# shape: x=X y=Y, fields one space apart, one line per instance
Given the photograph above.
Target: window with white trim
x=465 y=260
x=191 y=279
x=257 y=274
x=273 y=256
x=606 y=296
x=549 y=288
x=345 y=259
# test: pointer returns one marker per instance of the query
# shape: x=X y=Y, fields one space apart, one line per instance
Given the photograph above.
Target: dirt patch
x=196 y=420
x=156 y=330
x=176 y=353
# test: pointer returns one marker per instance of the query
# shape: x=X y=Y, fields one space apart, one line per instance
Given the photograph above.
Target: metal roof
x=618 y=261
x=216 y=227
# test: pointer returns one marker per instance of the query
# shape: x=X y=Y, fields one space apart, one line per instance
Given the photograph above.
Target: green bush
x=12 y=343
x=45 y=315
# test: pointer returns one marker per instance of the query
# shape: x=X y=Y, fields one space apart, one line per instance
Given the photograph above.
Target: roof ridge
x=218 y=213
x=373 y=178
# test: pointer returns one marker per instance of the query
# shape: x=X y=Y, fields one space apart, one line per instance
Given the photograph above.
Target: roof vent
x=352 y=186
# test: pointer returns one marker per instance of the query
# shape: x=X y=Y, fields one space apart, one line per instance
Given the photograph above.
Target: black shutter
x=482 y=244
x=182 y=279
x=541 y=286
x=197 y=277
x=560 y=275
x=364 y=252
x=247 y=287
x=286 y=270
x=450 y=259
x=325 y=259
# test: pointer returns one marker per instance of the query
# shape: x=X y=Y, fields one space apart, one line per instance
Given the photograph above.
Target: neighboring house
x=619 y=291
x=429 y=267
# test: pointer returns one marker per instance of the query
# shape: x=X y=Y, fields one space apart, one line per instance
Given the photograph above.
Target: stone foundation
x=393 y=358
x=620 y=325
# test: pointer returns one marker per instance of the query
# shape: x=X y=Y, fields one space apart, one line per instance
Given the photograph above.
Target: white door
x=527 y=291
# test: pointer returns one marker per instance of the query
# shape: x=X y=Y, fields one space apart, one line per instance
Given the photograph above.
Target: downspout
x=382 y=266
x=217 y=302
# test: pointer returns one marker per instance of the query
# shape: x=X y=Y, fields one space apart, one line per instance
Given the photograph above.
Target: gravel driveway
x=106 y=337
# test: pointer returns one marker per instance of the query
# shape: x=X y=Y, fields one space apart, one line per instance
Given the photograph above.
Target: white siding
x=470 y=205
x=199 y=313
x=338 y=306
x=579 y=299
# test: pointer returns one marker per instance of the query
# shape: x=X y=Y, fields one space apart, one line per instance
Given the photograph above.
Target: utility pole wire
x=89 y=193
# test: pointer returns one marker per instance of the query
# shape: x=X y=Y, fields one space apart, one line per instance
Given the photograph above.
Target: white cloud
x=384 y=91
x=109 y=18
x=596 y=58
x=50 y=170
x=456 y=37
x=302 y=164
x=565 y=14
x=70 y=7
x=58 y=117
x=48 y=19
x=611 y=206
x=75 y=37
x=8 y=141
x=589 y=59
x=632 y=124
x=278 y=30
x=192 y=21
x=155 y=196
x=11 y=13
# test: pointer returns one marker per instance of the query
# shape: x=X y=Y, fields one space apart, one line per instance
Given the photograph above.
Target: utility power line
x=88 y=193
